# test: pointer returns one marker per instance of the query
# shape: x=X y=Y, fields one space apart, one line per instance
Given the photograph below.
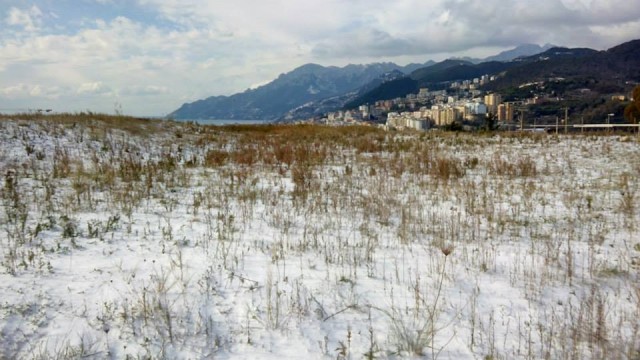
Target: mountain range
x=617 y=65
x=305 y=84
x=312 y=89
x=604 y=72
x=508 y=55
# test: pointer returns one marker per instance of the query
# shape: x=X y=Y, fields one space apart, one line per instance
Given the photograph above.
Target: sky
x=148 y=57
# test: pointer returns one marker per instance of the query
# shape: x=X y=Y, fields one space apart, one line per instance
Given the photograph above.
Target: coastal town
x=462 y=104
x=462 y=101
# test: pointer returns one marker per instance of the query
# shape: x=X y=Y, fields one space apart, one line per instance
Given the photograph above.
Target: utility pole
x=557 y=124
x=566 y=120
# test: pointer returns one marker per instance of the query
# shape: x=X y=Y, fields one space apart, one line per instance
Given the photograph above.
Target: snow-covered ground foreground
x=136 y=239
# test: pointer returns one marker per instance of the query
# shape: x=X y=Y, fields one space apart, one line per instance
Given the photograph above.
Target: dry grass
x=544 y=262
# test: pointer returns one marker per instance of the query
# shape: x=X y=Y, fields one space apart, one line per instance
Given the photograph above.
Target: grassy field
x=132 y=238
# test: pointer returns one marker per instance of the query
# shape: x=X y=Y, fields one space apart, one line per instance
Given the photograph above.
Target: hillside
x=600 y=69
x=432 y=77
x=511 y=54
x=604 y=72
x=313 y=89
x=320 y=107
x=305 y=84
x=520 y=51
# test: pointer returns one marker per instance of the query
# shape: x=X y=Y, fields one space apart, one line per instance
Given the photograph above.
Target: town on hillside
x=464 y=105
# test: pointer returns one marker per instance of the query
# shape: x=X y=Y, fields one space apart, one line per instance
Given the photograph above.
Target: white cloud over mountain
x=152 y=55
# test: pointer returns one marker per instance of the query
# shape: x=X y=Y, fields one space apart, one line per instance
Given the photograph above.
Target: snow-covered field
x=135 y=239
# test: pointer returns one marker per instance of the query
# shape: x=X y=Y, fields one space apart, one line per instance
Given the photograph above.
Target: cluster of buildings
x=452 y=110
x=472 y=84
x=461 y=102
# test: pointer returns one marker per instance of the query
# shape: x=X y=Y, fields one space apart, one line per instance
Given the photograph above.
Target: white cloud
x=111 y=59
x=610 y=34
x=95 y=88
x=148 y=90
x=15 y=90
x=22 y=91
x=443 y=27
x=29 y=19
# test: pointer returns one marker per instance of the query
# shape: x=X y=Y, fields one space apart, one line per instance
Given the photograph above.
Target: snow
x=176 y=259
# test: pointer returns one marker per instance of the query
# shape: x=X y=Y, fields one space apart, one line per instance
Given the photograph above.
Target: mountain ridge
x=601 y=69
x=522 y=50
x=604 y=71
x=312 y=89
x=304 y=84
